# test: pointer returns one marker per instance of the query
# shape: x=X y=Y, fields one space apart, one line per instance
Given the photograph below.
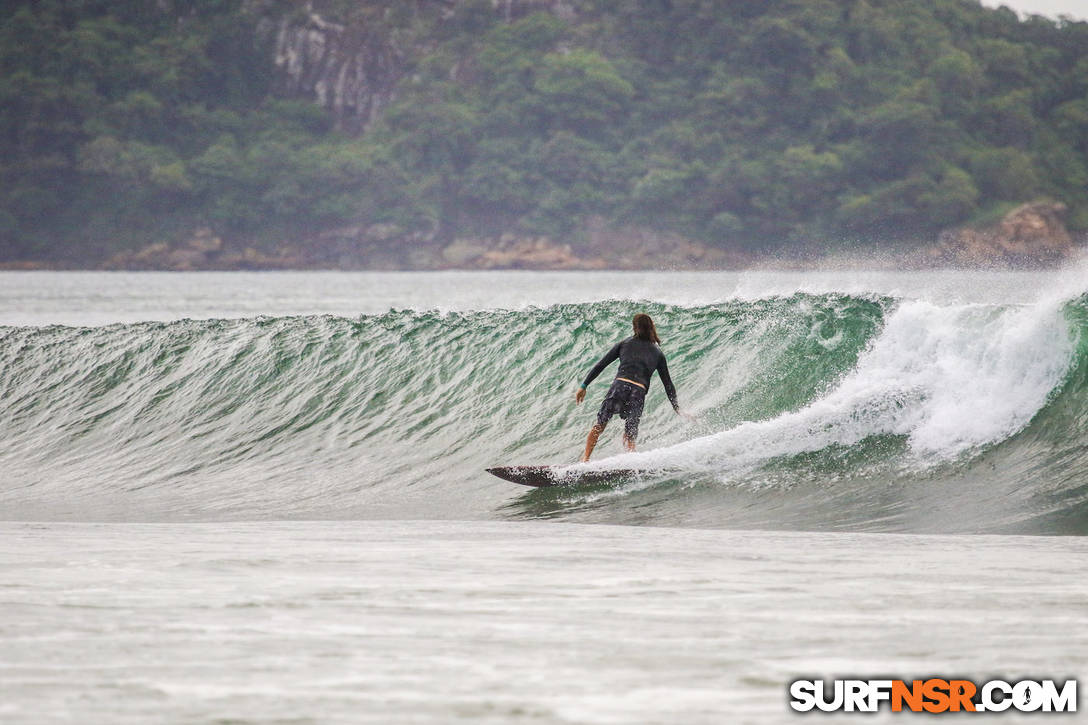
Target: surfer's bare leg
x=591 y=440
x=628 y=443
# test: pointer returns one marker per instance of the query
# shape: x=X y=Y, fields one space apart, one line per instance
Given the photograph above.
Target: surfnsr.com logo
x=933 y=695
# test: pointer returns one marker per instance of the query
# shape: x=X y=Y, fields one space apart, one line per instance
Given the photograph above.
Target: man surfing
x=639 y=357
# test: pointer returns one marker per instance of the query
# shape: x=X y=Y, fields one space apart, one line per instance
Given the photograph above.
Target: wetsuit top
x=638 y=361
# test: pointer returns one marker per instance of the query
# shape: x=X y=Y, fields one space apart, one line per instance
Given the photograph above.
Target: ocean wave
x=814 y=411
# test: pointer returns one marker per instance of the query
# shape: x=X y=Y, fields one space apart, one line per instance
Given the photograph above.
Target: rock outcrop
x=1030 y=235
x=204 y=250
x=349 y=70
x=352 y=69
x=512 y=252
x=601 y=247
x=387 y=247
x=636 y=248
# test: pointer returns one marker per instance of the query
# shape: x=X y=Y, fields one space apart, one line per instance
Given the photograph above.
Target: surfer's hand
x=687 y=416
x=579 y=396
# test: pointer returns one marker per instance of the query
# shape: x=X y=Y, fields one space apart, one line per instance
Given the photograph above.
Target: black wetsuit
x=638 y=361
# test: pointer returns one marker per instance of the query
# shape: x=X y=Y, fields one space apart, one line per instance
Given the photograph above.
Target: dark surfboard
x=556 y=476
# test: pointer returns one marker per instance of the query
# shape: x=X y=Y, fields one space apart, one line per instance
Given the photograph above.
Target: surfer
x=639 y=357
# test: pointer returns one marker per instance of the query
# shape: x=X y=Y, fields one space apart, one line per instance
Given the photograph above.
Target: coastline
x=1031 y=236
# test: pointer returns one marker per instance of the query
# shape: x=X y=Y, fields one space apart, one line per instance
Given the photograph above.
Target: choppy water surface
x=383 y=622
x=171 y=408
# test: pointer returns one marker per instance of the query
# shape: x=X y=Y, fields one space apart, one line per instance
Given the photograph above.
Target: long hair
x=644 y=328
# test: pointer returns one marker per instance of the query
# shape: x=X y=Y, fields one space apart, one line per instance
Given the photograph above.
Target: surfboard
x=541 y=476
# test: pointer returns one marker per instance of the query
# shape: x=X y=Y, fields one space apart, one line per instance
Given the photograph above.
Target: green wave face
x=815 y=411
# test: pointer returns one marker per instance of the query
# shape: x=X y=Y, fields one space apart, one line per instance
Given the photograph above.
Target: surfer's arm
x=666 y=380
x=610 y=357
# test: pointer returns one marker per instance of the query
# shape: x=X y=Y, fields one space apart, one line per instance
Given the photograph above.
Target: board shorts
x=626 y=399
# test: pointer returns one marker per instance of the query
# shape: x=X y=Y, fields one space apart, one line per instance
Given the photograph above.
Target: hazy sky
x=1074 y=8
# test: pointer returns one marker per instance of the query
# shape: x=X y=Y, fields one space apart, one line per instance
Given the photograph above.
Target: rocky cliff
x=351 y=69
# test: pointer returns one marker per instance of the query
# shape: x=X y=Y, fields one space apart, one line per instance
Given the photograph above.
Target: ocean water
x=261 y=497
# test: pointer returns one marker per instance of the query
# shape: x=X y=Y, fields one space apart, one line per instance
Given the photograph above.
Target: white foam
x=951 y=378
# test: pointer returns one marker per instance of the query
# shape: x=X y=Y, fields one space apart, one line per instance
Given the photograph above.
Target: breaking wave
x=826 y=411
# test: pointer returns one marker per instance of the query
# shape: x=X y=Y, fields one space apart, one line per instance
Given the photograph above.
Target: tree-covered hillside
x=744 y=124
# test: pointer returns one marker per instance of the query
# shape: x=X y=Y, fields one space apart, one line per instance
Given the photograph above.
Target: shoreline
x=1032 y=236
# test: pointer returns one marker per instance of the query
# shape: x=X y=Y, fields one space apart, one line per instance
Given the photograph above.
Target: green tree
x=435 y=136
